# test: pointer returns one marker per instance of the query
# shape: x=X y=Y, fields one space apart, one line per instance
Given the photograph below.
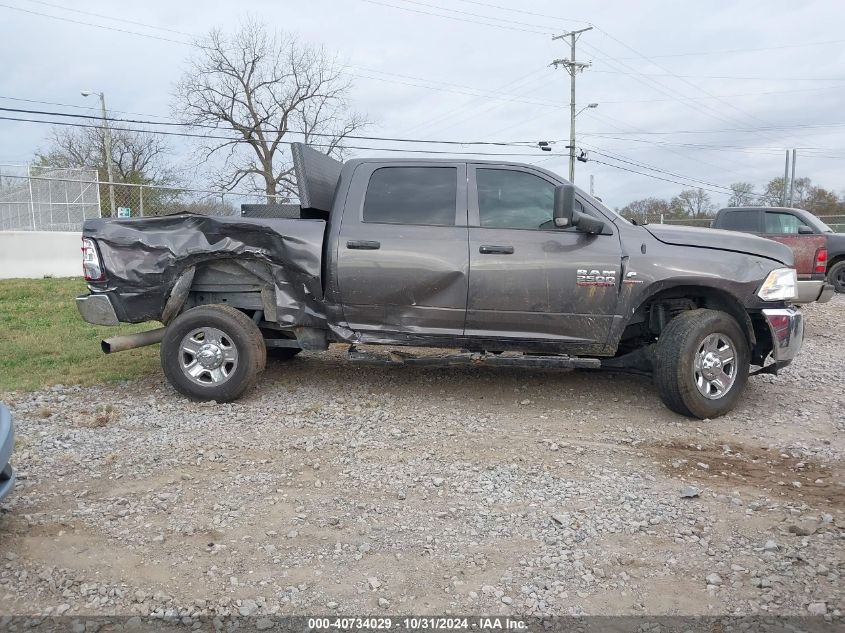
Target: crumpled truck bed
x=144 y=257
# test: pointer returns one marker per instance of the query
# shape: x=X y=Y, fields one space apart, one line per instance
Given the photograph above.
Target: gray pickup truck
x=505 y=264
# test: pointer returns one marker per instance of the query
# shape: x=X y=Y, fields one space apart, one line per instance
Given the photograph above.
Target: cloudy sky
x=711 y=92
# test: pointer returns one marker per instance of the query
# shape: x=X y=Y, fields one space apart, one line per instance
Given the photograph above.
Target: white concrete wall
x=35 y=254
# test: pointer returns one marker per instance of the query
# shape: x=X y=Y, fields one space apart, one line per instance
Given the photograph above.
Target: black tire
x=238 y=369
x=836 y=276
x=680 y=345
x=282 y=353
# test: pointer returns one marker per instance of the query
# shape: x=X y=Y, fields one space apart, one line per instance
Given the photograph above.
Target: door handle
x=364 y=245
x=488 y=249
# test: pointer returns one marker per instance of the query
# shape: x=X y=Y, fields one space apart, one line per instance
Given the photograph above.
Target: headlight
x=780 y=285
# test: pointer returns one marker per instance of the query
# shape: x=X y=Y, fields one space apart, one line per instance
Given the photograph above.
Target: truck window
x=510 y=199
x=782 y=223
x=412 y=195
x=741 y=220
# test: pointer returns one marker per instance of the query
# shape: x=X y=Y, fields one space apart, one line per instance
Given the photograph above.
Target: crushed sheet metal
x=144 y=258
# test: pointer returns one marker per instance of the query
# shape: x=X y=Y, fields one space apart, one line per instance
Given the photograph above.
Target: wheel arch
x=705 y=296
x=839 y=258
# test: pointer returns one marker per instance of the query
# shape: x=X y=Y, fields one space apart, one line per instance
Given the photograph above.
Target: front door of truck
x=402 y=253
x=529 y=279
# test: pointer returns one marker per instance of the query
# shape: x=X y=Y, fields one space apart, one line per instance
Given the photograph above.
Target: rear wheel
x=836 y=276
x=702 y=362
x=212 y=352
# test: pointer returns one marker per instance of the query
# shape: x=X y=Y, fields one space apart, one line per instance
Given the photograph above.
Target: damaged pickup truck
x=508 y=263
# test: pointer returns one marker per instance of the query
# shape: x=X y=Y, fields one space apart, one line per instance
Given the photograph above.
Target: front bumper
x=7 y=443
x=811 y=290
x=787 y=328
x=97 y=309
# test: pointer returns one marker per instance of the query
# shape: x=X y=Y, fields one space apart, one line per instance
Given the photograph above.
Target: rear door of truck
x=402 y=251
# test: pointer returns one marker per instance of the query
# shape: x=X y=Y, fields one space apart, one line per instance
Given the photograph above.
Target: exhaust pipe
x=131 y=341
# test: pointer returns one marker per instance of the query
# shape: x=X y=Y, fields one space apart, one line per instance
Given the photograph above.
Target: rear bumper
x=7 y=443
x=787 y=328
x=97 y=309
x=810 y=290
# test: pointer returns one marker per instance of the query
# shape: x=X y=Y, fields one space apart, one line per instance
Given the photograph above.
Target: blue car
x=7 y=443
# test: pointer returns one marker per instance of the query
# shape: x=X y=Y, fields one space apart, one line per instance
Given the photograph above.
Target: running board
x=475 y=359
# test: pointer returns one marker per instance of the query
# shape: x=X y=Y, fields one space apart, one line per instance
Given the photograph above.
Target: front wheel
x=212 y=352
x=701 y=364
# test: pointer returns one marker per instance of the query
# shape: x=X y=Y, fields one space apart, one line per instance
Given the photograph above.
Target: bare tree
x=646 y=210
x=693 y=203
x=266 y=89
x=137 y=157
x=742 y=194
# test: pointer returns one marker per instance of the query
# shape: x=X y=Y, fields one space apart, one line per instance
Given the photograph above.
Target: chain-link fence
x=37 y=199
x=47 y=199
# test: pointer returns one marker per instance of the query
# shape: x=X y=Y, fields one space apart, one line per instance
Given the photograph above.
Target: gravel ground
x=349 y=489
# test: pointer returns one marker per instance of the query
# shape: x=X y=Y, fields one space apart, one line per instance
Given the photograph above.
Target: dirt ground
x=336 y=488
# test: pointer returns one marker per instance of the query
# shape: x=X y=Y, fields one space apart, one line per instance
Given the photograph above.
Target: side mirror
x=564 y=206
x=805 y=230
x=565 y=214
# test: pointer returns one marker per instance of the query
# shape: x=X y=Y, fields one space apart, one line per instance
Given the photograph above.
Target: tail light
x=91 y=266
x=821 y=260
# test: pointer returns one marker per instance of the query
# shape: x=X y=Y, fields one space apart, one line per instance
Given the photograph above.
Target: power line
x=633 y=171
x=729 y=96
x=318 y=134
x=695 y=86
x=452 y=17
x=617 y=72
x=514 y=98
x=620 y=159
x=107 y=17
x=237 y=140
x=742 y=50
x=477 y=15
x=81 y=107
x=450 y=119
x=524 y=12
x=98 y=26
x=478 y=93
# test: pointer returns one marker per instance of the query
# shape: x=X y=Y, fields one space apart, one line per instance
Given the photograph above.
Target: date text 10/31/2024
x=420 y=623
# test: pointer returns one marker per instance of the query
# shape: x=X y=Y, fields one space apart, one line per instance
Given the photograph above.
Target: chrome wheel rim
x=715 y=366
x=208 y=356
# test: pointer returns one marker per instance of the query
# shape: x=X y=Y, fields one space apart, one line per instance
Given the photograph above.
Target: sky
x=700 y=93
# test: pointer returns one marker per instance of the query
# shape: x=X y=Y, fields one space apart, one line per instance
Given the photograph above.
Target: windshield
x=817 y=224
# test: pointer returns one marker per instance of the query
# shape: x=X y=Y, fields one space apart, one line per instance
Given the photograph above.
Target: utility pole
x=572 y=67
x=785 y=180
x=592 y=185
x=107 y=141
x=792 y=179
